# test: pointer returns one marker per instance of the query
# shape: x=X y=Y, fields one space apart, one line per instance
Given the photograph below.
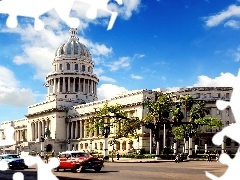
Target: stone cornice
x=203 y=89
x=46 y=111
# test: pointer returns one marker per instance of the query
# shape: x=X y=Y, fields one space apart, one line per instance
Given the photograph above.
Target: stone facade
x=72 y=98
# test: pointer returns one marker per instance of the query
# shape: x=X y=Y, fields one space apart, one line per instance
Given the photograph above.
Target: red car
x=78 y=161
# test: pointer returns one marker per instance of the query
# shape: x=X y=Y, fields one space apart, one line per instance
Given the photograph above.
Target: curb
x=153 y=161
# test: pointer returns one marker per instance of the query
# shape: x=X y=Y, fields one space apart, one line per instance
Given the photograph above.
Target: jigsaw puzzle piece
x=63 y=8
x=211 y=176
x=8 y=133
x=18 y=176
x=3 y=165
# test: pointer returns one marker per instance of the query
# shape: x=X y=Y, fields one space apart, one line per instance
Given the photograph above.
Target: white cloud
x=218 y=18
x=107 y=79
x=129 y=6
x=106 y=91
x=233 y=24
x=224 y=80
x=136 y=77
x=123 y=62
x=10 y=93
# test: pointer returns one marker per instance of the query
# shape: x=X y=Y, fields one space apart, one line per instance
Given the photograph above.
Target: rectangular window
x=197 y=95
x=227 y=123
x=227 y=95
x=227 y=112
x=208 y=95
x=219 y=95
x=218 y=112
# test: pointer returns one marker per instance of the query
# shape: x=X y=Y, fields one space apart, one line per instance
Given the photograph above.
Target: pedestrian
x=209 y=156
x=53 y=153
x=217 y=156
x=118 y=156
x=46 y=158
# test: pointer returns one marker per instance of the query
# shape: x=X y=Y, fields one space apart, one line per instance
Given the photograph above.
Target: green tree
x=158 y=113
x=115 y=117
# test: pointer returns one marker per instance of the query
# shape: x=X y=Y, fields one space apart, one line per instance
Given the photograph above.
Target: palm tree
x=187 y=104
x=158 y=113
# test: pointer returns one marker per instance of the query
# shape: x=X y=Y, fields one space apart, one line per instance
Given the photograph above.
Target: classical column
x=64 y=85
x=72 y=130
x=84 y=129
x=74 y=84
x=43 y=127
x=67 y=130
x=32 y=132
x=54 y=85
x=81 y=129
x=79 y=84
x=84 y=86
x=69 y=84
x=35 y=129
x=39 y=130
x=59 y=80
x=76 y=130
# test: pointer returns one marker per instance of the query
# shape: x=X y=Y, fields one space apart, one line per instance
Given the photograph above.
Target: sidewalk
x=133 y=160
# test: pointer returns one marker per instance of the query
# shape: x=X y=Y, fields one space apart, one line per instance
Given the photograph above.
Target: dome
x=73 y=48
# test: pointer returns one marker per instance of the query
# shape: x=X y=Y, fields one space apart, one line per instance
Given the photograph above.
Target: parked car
x=78 y=161
x=14 y=161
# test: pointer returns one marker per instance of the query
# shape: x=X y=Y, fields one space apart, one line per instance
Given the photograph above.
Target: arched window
x=60 y=66
x=75 y=48
x=62 y=52
x=76 y=66
x=83 y=67
x=69 y=49
x=68 y=66
x=88 y=69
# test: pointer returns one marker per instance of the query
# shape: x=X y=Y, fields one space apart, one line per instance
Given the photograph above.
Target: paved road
x=136 y=171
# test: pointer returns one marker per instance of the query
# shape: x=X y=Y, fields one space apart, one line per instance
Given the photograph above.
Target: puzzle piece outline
x=231 y=132
x=31 y=8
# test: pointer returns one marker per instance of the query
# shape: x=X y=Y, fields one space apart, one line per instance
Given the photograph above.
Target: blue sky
x=153 y=44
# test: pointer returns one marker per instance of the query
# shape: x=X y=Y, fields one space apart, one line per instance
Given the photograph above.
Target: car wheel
x=56 y=169
x=97 y=169
x=79 y=169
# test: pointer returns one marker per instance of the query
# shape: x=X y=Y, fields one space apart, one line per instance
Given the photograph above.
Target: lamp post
x=106 y=132
x=138 y=144
x=68 y=144
x=150 y=141
x=91 y=146
x=42 y=145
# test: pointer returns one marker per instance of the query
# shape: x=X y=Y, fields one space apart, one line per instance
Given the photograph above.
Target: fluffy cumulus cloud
x=106 y=91
x=10 y=93
x=231 y=11
x=123 y=62
x=224 y=80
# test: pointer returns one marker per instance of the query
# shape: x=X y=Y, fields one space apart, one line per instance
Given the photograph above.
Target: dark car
x=79 y=161
x=14 y=161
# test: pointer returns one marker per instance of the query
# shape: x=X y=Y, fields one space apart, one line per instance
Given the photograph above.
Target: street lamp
x=106 y=132
x=91 y=146
x=68 y=144
x=138 y=144
x=42 y=145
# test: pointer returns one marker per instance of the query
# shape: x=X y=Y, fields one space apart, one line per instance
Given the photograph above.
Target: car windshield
x=12 y=156
x=79 y=154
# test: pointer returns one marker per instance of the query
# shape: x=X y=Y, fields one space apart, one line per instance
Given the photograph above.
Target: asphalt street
x=134 y=171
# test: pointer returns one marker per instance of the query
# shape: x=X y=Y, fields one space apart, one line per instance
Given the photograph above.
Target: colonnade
x=73 y=84
x=18 y=134
x=39 y=127
x=78 y=129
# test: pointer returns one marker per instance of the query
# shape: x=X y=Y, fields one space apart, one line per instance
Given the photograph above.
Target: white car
x=14 y=161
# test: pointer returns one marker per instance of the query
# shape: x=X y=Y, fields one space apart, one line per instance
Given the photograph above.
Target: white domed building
x=72 y=97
